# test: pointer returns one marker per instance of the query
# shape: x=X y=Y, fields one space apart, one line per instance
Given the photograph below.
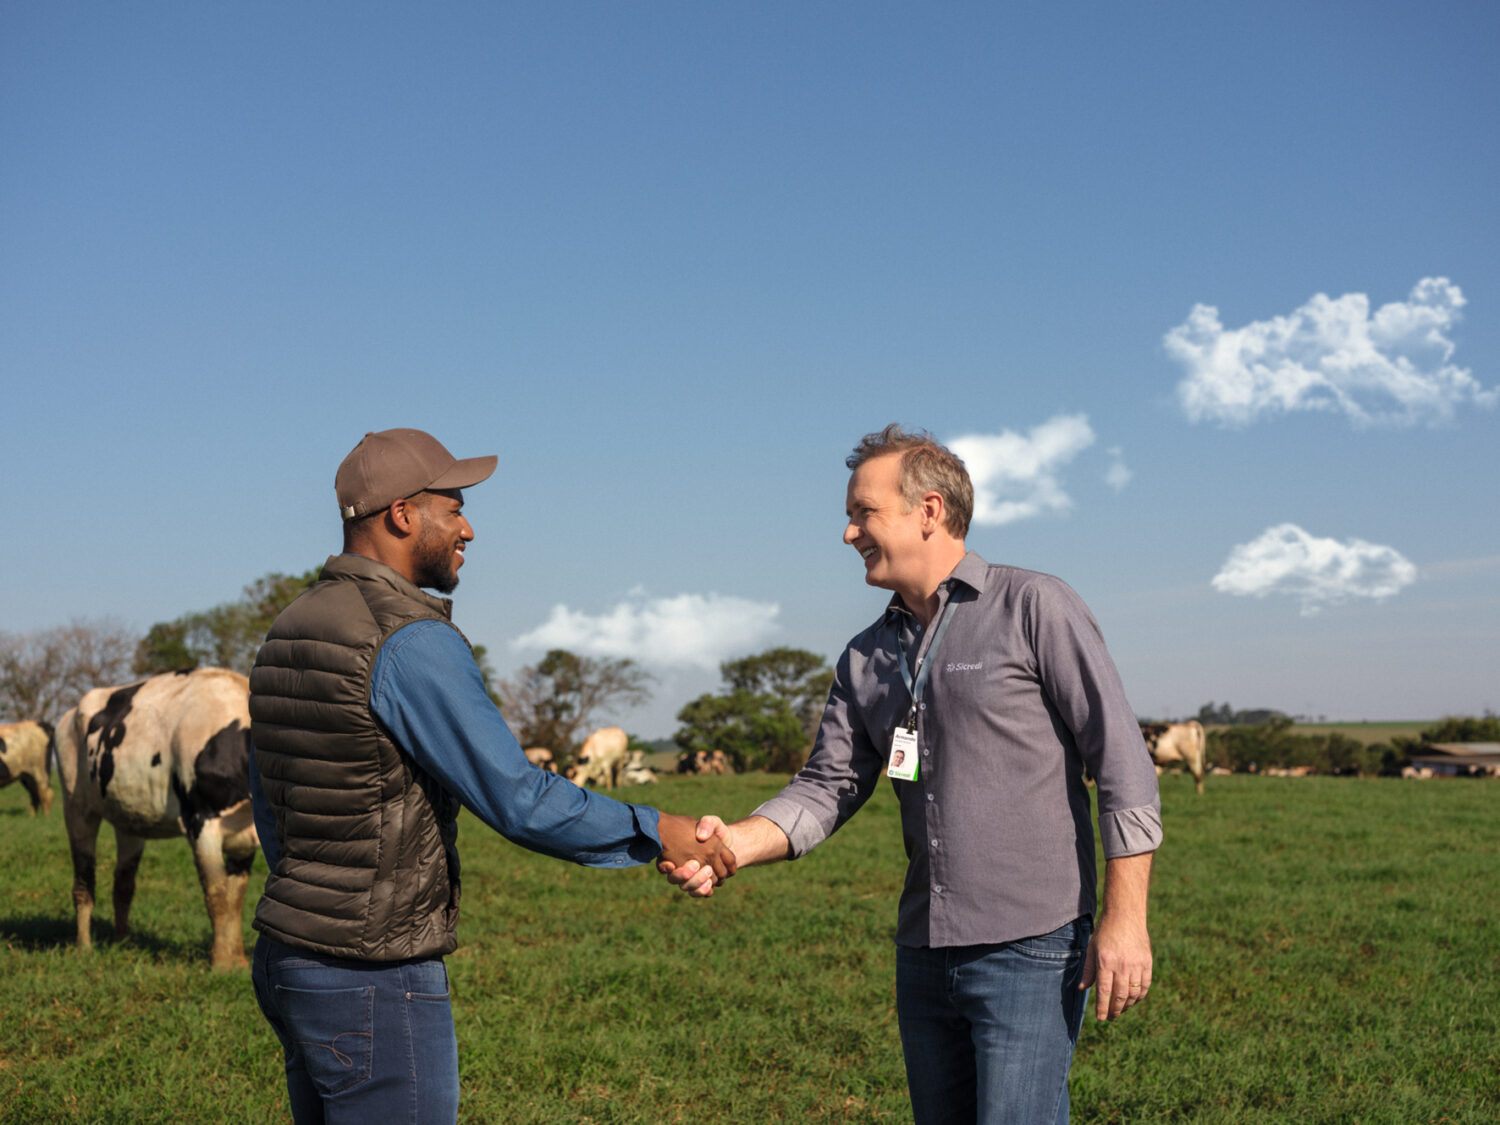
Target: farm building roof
x=1459 y=754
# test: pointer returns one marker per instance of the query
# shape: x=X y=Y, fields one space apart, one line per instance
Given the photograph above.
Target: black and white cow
x=23 y=758
x=165 y=756
x=1178 y=742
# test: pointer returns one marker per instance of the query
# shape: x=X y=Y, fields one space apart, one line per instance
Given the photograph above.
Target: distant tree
x=164 y=648
x=556 y=702
x=766 y=714
x=799 y=678
x=1223 y=715
x=1465 y=729
x=1209 y=715
x=758 y=731
x=44 y=673
x=1274 y=744
x=1257 y=717
x=226 y=636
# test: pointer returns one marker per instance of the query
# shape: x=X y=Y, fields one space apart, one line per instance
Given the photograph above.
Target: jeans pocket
x=334 y=1032
x=425 y=980
x=1066 y=943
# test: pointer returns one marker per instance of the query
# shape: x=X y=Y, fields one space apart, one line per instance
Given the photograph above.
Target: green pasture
x=1327 y=951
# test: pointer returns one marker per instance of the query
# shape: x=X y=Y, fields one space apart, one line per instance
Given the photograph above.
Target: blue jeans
x=988 y=1030
x=364 y=1041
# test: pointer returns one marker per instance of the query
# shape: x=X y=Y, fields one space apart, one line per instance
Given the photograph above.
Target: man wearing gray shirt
x=985 y=691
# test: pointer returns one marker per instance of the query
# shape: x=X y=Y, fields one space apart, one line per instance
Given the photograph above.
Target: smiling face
x=883 y=528
x=442 y=534
x=907 y=548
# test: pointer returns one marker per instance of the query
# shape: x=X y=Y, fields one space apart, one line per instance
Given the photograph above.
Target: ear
x=401 y=517
x=933 y=511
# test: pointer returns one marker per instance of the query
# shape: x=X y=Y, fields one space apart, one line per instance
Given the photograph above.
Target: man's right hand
x=695 y=879
x=683 y=844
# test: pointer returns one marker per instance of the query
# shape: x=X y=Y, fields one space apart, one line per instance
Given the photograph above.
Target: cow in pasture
x=1178 y=742
x=541 y=758
x=602 y=758
x=636 y=771
x=24 y=751
x=166 y=756
x=1288 y=771
x=703 y=761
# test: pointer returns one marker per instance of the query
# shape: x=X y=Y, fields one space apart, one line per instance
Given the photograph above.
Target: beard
x=432 y=563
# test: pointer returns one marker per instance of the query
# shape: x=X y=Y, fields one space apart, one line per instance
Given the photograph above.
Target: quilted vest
x=369 y=856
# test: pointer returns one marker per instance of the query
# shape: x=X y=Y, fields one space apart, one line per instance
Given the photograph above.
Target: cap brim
x=466 y=473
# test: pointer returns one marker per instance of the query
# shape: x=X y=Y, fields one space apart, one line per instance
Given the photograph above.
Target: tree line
x=763 y=717
x=1276 y=744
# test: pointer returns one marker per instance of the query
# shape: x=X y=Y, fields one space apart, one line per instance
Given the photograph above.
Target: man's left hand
x=1118 y=965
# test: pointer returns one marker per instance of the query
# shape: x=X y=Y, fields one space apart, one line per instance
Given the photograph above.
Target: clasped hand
x=697 y=878
x=687 y=850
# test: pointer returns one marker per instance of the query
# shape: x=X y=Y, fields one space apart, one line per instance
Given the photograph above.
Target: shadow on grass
x=42 y=934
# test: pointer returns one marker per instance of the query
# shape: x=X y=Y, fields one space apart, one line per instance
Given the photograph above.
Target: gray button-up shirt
x=1021 y=697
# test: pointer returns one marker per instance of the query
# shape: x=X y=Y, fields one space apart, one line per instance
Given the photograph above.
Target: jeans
x=988 y=1030
x=365 y=1041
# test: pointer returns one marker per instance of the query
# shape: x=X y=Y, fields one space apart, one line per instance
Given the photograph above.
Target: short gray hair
x=926 y=466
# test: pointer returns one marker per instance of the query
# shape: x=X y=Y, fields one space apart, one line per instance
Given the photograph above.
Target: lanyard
x=917 y=687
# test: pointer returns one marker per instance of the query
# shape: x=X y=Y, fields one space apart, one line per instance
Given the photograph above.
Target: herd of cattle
x=169 y=756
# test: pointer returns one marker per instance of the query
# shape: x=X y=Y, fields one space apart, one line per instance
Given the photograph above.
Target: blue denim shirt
x=427 y=691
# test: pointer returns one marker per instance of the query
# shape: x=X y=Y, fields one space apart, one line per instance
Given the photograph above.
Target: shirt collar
x=971 y=570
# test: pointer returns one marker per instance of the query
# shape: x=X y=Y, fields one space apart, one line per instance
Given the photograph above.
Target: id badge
x=903 y=763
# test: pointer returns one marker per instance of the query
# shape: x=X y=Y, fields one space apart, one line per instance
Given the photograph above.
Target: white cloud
x=695 y=630
x=1118 y=475
x=1331 y=354
x=1287 y=560
x=1015 y=476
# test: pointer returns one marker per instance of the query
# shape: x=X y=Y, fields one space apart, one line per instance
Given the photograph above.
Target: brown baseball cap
x=394 y=464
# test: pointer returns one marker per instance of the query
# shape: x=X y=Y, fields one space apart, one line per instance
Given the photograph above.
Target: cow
x=703 y=761
x=602 y=758
x=541 y=758
x=24 y=757
x=161 y=757
x=1178 y=742
x=636 y=771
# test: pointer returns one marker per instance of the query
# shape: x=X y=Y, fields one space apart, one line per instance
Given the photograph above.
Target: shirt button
x=930 y=797
x=921 y=706
x=934 y=843
x=937 y=889
x=926 y=753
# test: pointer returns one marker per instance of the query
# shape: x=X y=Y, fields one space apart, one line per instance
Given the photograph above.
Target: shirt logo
x=961 y=667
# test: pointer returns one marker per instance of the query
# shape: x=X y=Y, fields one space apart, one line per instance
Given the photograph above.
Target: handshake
x=698 y=856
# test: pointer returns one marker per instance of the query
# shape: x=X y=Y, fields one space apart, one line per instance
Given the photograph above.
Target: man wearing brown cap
x=371 y=727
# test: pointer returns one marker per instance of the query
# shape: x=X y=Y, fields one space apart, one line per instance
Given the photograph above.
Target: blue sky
x=1207 y=296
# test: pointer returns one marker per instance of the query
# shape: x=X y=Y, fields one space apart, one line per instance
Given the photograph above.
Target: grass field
x=1327 y=951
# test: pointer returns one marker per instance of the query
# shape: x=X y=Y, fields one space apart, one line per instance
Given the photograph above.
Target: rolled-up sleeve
x=427 y=691
x=1130 y=831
